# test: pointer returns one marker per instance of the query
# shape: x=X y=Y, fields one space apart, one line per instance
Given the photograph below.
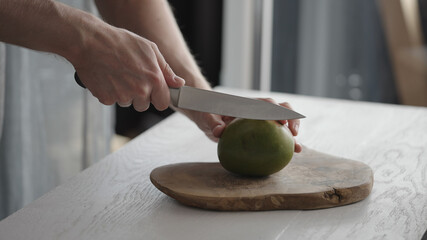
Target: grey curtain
x=2 y=164
x=52 y=129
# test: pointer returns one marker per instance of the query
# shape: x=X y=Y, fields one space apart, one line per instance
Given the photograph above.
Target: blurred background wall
x=353 y=49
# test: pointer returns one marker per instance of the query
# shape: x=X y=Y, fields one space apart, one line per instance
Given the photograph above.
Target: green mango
x=255 y=148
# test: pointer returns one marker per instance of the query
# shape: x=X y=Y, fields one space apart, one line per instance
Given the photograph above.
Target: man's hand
x=213 y=125
x=113 y=63
x=120 y=66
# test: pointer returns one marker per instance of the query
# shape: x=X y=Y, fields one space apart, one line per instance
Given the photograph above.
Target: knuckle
x=141 y=103
x=137 y=108
x=153 y=46
x=106 y=101
x=104 y=98
x=156 y=79
x=157 y=82
x=141 y=108
x=154 y=76
x=123 y=98
x=167 y=68
x=160 y=100
x=161 y=107
x=142 y=91
x=167 y=71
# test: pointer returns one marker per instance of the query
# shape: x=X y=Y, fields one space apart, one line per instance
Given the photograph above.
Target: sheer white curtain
x=52 y=129
x=246 y=53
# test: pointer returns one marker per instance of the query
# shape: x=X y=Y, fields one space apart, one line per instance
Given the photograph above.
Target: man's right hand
x=118 y=66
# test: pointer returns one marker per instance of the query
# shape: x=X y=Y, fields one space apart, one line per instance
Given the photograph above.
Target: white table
x=114 y=199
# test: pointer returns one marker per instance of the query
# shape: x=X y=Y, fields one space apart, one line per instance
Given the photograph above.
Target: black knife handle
x=78 y=81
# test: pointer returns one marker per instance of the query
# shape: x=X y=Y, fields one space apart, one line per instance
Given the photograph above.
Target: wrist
x=82 y=34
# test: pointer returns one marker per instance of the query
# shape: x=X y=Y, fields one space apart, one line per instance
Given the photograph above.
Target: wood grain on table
x=114 y=199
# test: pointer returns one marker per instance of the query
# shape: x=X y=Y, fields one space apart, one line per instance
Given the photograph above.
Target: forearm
x=154 y=20
x=46 y=25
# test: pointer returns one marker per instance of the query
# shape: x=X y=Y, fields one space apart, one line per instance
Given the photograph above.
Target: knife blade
x=224 y=104
x=229 y=105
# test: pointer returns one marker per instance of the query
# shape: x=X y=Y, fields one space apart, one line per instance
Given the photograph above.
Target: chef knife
x=225 y=104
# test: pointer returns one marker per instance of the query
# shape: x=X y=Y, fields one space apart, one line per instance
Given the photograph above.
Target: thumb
x=217 y=125
x=172 y=80
x=217 y=130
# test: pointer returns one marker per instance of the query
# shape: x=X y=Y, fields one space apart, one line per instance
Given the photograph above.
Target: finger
x=172 y=80
x=298 y=147
x=218 y=130
x=211 y=124
x=125 y=105
x=286 y=105
x=105 y=98
x=227 y=120
x=270 y=100
x=160 y=94
x=105 y=93
x=123 y=99
x=293 y=124
x=141 y=103
x=215 y=125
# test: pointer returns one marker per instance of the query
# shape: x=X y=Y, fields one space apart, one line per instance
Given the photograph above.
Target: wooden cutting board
x=312 y=180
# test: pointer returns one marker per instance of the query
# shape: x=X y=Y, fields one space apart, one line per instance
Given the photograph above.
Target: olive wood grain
x=312 y=180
